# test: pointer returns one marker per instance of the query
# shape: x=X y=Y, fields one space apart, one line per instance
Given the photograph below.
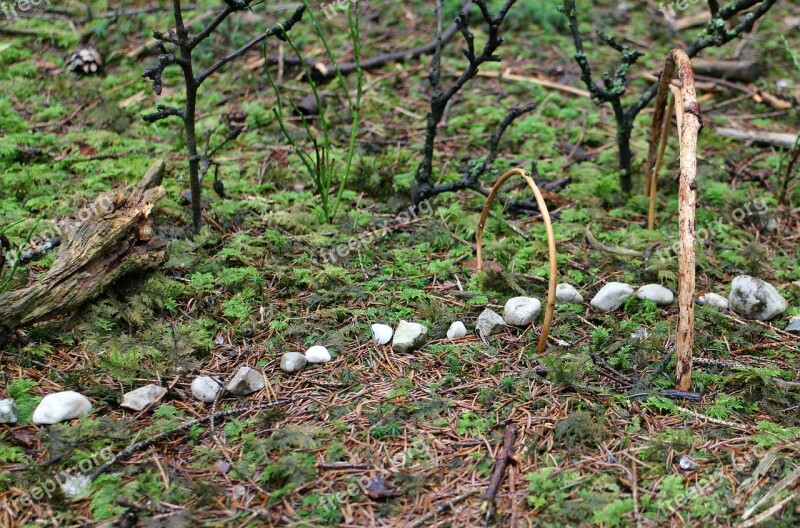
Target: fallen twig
x=779 y=139
x=441 y=508
x=503 y=458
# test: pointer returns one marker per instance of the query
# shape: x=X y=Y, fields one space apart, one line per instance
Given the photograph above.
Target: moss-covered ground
x=375 y=438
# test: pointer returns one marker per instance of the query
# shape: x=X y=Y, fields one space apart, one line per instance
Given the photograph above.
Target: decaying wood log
x=109 y=238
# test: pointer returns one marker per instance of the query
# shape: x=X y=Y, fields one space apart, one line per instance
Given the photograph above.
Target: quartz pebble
x=8 y=411
x=755 y=299
x=60 y=407
x=246 y=381
x=293 y=362
x=489 y=323
x=206 y=389
x=521 y=311
x=408 y=337
x=457 y=330
x=656 y=293
x=382 y=333
x=143 y=397
x=318 y=354
x=611 y=296
x=713 y=300
x=566 y=293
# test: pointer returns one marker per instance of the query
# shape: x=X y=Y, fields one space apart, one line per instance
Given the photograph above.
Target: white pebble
x=143 y=397
x=713 y=300
x=206 y=389
x=60 y=407
x=612 y=296
x=656 y=293
x=318 y=354
x=521 y=311
x=293 y=362
x=457 y=330
x=382 y=333
x=566 y=293
x=408 y=337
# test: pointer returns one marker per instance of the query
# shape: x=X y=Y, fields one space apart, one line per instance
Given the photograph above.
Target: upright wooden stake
x=689 y=128
x=551 y=246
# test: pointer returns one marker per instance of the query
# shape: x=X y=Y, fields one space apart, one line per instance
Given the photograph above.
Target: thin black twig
x=440 y=98
x=470 y=178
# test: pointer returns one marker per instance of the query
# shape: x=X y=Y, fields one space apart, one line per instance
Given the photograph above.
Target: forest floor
x=376 y=438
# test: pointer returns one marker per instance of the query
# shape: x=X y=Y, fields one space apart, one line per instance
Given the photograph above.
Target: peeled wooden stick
x=551 y=246
x=687 y=194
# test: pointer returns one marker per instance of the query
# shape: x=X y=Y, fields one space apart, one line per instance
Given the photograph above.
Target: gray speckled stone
x=489 y=323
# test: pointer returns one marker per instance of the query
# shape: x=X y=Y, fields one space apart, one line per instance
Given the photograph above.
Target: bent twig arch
x=551 y=246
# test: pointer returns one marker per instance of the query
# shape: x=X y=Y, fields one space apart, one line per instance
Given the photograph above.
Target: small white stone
x=74 y=485
x=755 y=299
x=382 y=333
x=686 y=463
x=318 y=354
x=656 y=293
x=793 y=326
x=206 y=389
x=457 y=330
x=713 y=300
x=640 y=334
x=60 y=407
x=521 y=311
x=293 y=362
x=8 y=411
x=246 y=381
x=143 y=397
x=489 y=323
x=611 y=296
x=566 y=293
x=408 y=337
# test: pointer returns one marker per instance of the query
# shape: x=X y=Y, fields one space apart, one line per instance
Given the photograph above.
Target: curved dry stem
x=688 y=129
x=551 y=246
x=651 y=213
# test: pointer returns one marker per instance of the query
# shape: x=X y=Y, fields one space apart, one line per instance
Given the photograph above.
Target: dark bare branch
x=277 y=31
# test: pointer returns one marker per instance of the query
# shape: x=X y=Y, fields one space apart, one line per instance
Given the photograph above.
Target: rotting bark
x=110 y=238
x=689 y=129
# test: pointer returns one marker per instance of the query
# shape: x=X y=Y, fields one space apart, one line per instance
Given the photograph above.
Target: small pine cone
x=237 y=119
x=86 y=60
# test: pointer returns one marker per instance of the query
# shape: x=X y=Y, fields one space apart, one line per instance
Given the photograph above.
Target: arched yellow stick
x=551 y=246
